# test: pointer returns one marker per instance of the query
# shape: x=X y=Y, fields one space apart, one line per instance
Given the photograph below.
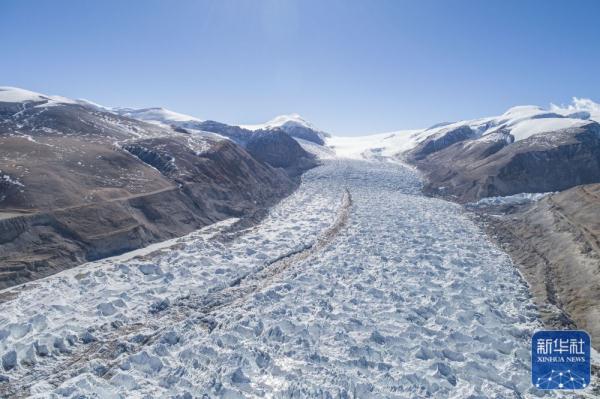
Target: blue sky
x=351 y=67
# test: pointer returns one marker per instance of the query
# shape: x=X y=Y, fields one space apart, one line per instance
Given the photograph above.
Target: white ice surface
x=408 y=299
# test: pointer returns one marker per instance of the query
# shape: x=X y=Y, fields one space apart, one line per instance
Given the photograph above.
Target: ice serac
x=80 y=182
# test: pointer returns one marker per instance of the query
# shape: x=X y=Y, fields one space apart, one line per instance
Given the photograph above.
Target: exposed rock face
x=494 y=165
x=278 y=149
x=556 y=241
x=79 y=184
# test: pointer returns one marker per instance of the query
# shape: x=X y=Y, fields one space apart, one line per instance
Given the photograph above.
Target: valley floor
x=356 y=285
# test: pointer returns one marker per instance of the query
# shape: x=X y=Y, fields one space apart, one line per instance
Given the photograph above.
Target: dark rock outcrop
x=278 y=149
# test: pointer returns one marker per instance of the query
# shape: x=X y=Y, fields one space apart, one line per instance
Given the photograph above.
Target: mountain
x=294 y=125
x=271 y=144
x=80 y=182
x=526 y=149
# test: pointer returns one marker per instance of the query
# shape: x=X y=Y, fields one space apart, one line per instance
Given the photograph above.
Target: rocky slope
x=468 y=168
x=556 y=240
x=271 y=143
x=79 y=183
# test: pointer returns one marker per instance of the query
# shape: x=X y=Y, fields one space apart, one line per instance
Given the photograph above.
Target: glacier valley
x=356 y=285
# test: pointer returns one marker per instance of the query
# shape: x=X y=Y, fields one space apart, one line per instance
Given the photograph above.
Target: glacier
x=356 y=285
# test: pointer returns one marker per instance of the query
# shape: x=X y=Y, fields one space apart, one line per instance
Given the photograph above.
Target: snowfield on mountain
x=521 y=122
x=354 y=286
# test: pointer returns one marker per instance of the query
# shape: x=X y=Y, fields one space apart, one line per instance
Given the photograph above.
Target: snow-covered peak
x=283 y=121
x=157 y=115
x=523 y=111
x=17 y=95
x=521 y=122
x=295 y=126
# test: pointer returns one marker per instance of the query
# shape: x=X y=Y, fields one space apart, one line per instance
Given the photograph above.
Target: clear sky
x=350 y=67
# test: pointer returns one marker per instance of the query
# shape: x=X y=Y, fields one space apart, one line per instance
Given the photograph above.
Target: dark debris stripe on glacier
x=408 y=299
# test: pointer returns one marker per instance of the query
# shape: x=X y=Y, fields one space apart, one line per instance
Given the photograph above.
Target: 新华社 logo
x=560 y=359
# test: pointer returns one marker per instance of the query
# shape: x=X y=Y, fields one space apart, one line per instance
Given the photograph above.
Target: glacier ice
x=402 y=296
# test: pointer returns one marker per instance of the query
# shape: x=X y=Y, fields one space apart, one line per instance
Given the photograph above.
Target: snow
x=520 y=121
x=91 y=104
x=16 y=95
x=10 y=180
x=522 y=111
x=383 y=144
x=283 y=121
x=159 y=116
x=530 y=127
x=356 y=284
